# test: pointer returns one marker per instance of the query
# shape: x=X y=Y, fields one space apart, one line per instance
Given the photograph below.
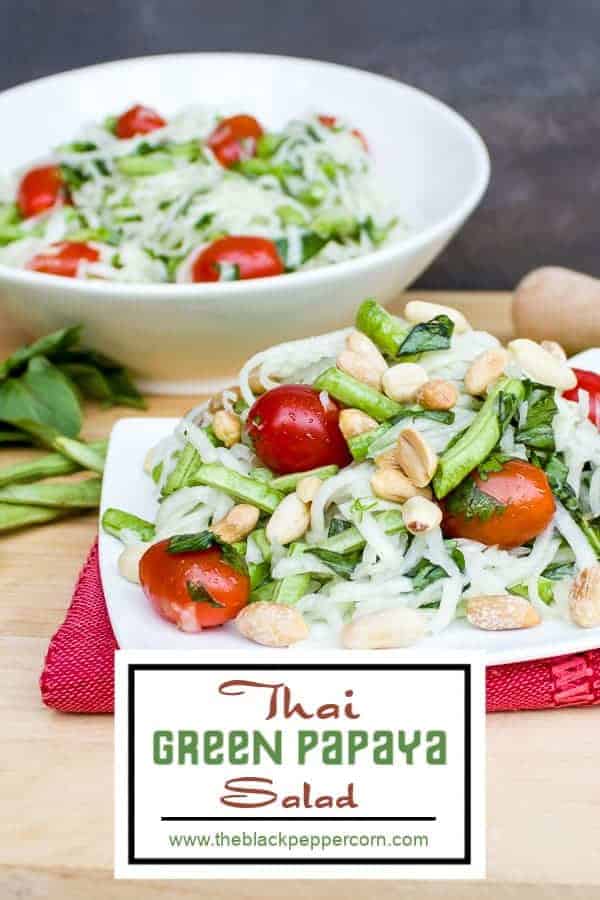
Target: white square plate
x=137 y=626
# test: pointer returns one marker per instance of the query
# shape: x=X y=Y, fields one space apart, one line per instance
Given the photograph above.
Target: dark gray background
x=526 y=74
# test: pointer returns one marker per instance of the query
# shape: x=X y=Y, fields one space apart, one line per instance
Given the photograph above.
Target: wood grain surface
x=56 y=771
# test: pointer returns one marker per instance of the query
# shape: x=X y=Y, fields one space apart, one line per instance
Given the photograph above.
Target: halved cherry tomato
x=524 y=506
x=590 y=382
x=138 y=120
x=254 y=257
x=63 y=259
x=234 y=139
x=331 y=122
x=41 y=189
x=295 y=428
x=194 y=590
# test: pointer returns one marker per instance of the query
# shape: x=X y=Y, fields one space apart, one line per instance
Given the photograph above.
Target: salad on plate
x=199 y=198
x=376 y=484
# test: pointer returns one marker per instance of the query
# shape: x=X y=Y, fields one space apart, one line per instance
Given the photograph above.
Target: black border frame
x=132 y=860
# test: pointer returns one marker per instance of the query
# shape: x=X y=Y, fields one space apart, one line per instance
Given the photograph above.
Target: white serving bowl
x=432 y=164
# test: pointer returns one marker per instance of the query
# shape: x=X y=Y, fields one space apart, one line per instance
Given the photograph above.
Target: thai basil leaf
x=470 y=501
x=198 y=593
x=537 y=430
x=189 y=543
x=42 y=395
x=49 y=345
x=343 y=564
x=427 y=336
x=336 y=526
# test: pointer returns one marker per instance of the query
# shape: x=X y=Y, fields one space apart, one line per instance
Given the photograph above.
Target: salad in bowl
x=376 y=484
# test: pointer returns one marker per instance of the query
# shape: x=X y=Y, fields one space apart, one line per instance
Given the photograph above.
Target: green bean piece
x=83 y=454
x=260 y=539
x=152 y=164
x=57 y=495
x=264 y=593
x=188 y=462
x=259 y=573
x=13 y=517
x=360 y=445
x=292 y=588
x=10 y=233
x=288 y=483
x=116 y=521
x=9 y=214
x=289 y=215
x=384 y=329
x=45 y=467
x=351 y=539
x=476 y=442
x=268 y=144
x=241 y=487
x=354 y=393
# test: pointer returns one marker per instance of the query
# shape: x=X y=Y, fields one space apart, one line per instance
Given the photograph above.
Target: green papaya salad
x=199 y=197
x=375 y=484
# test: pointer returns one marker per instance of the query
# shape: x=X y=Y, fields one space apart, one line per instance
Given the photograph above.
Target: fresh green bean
x=152 y=164
x=289 y=215
x=83 y=454
x=384 y=329
x=59 y=495
x=260 y=539
x=239 y=486
x=288 y=483
x=13 y=517
x=292 y=588
x=354 y=393
x=360 y=445
x=259 y=573
x=350 y=539
x=116 y=521
x=264 y=593
x=188 y=462
x=45 y=467
x=476 y=442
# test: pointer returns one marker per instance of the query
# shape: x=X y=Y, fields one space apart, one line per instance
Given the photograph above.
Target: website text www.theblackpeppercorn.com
x=311 y=842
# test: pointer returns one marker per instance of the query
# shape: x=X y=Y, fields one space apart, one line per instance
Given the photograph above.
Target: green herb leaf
x=198 y=593
x=427 y=336
x=336 y=526
x=470 y=501
x=42 y=395
x=340 y=563
x=232 y=557
x=51 y=344
x=494 y=463
x=189 y=543
x=537 y=431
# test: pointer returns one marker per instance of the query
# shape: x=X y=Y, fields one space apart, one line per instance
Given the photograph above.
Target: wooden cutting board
x=56 y=771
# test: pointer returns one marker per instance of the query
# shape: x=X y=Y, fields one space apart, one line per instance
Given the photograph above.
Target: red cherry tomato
x=590 y=382
x=63 y=259
x=138 y=120
x=194 y=590
x=234 y=139
x=294 y=429
x=331 y=122
x=526 y=507
x=255 y=257
x=41 y=189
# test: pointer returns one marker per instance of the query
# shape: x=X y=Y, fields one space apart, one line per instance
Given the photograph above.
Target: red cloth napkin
x=78 y=674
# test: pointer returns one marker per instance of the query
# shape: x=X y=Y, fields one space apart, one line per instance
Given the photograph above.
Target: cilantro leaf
x=203 y=540
x=494 y=463
x=537 y=431
x=340 y=563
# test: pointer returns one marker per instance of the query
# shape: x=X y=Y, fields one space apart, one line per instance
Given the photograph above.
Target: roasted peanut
x=417 y=311
x=353 y=422
x=437 y=394
x=382 y=630
x=415 y=457
x=217 y=402
x=542 y=366
x=584 y=598
x=421 y=515
x=555 y=349
x=391 y=484
x=359 y=343
x=272 y=624
x=308 y=488
x=485 y=370
x=227 y=427
x=402 y=382
x=360 y=367
x=501 y=612
x=237 y=524
x=289 y=521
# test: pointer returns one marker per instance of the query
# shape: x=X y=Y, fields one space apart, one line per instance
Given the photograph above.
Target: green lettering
x=332 y=748
x=213 y=742
x=357 y=740
x=307 y=741
x=383 y=751
x=437 y=754
x=162 y=748
x=407 y=746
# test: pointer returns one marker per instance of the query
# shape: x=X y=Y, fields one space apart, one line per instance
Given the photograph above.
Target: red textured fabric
x=78 y=674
